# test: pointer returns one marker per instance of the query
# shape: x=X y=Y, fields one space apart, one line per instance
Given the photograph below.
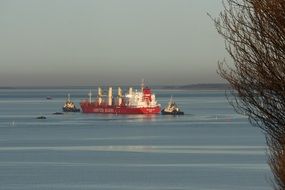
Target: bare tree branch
x=254 y=32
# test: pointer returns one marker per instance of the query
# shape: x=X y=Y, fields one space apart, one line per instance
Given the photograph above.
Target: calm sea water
x=209 y=148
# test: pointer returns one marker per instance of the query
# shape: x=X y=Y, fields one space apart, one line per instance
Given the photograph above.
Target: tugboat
x=57 y=113
x=171 y=109
x=41 y=117
x=69 y=106
x=49 y=98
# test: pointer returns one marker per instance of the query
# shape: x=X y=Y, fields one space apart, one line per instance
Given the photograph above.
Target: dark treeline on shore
x=203 y=86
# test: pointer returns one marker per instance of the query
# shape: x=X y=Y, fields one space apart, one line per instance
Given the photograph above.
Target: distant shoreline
x=5 y=88
x=202 y=86
x=206 y=86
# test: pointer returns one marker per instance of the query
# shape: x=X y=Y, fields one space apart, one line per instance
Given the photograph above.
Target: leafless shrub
x=254 y=32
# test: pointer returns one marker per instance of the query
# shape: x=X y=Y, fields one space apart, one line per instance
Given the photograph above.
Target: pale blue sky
x=93 y=42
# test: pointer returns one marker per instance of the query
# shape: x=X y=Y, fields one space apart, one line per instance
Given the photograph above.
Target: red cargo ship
x=134 y=102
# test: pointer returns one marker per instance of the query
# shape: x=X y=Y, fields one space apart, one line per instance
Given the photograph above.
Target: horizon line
x=85 y=86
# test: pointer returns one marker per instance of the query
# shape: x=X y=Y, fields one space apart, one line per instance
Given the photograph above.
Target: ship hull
x=163 y=112
x=87 y=107
x=70 y=109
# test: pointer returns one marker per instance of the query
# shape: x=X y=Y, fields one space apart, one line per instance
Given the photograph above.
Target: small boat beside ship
x=69 y=106
x=133 y=102
x=49 y=98
x=171 y=109
x=57 y=113
x=41 y=117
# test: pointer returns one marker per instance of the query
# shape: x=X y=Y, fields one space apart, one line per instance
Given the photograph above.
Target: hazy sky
x=94 y=42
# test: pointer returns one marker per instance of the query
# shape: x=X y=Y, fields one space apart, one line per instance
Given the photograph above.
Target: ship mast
x=142 y=85
x=90 y=96
x=120 y=95
x=110 y=96
x=100 y=95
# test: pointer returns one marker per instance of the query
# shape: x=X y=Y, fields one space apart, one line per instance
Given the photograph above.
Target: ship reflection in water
x=130 y=118
x=140 y=118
